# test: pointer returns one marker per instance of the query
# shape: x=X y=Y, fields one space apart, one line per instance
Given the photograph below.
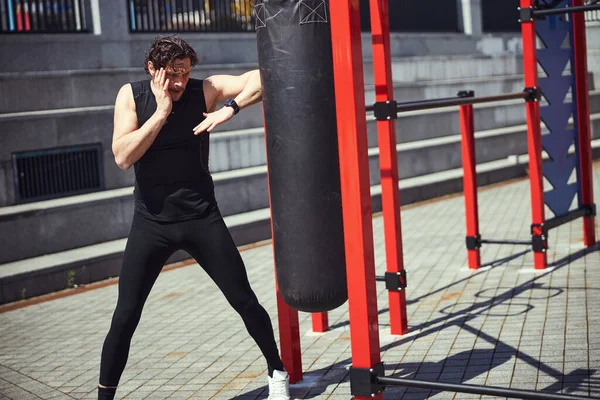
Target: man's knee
x=247 y=306
x=126 y=317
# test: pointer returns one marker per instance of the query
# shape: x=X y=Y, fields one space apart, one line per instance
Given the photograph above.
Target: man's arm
x=245 y=89
x=130 y=142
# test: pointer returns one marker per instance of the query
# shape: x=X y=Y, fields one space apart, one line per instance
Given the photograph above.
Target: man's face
x=178 y=74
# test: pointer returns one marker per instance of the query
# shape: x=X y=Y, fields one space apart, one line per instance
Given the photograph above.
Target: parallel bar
x=467 y=133
x=583 y=122
x=455 y=101
x=355 y=184
x=557 y=221
x=371 y=107
x=523 y=242
x=388 y=163
x=484 y=390
x=534 y=133
x=460 y=101
x=565 y=10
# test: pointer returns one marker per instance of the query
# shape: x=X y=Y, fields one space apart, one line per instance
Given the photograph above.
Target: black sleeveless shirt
x=172 y=180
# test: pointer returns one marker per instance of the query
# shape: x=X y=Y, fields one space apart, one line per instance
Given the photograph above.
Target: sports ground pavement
x=503 y=325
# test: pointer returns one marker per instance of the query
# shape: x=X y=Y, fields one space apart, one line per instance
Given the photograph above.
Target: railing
x=191 y=15
x=592 y=16
x=43 y=16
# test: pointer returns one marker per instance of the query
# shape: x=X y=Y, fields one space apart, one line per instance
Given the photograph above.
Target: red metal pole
x=289 y=326
x=388 y=162
x=534 y=135
x=289 y=339
x=355 y=185
x=583 y=121
x=467 y=133
x=320 y=322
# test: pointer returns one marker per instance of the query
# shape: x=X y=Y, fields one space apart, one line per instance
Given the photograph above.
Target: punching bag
x=295 y=59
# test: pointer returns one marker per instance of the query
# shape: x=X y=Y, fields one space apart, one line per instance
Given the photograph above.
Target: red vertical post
x=534 y=136
x=388 y=162
x=289 y=326
x=355 y=185
x=289 y=339
x=467 y=133
x=320 y=322
x=583 y=122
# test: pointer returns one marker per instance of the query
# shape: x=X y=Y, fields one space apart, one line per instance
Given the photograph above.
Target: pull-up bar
x=390 y=109
x=529 y=14
x=484 y=390
x=542 y=12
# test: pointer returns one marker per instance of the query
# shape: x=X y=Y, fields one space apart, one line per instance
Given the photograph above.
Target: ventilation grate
x=59 y=172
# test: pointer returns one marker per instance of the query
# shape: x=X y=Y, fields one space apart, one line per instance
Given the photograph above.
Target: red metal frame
x=534 y=134
x=356 y=197
x=289 y=339
x=320 y=322
x=467 y=132
x=388 y=162
x=583 y=121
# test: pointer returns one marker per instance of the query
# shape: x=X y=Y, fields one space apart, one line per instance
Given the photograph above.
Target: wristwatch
x=231 y=103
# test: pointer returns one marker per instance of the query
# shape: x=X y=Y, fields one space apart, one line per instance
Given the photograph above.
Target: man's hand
x=160 y=88
x=214 y=119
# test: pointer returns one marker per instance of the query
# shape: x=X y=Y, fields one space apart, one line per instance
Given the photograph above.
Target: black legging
x=149 y=245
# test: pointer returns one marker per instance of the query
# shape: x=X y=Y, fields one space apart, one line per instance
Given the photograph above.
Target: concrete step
x=35 y=229
x=230 y=149
x=440 y=67
x=37 y=276
x=245 y=148
x=123 y=50
x=39 y=91
x=67 y=269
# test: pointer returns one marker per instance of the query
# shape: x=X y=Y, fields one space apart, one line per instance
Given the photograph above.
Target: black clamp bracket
x=533 y=94
x=526 y=14
x=363 y=381
x=539 y=237
x=473 y=242
x=590 y=210
x=385 y=110
x=463 y=94
x=395 y=280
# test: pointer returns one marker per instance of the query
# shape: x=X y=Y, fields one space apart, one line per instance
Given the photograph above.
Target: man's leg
x=145 y=254
x=208 y=240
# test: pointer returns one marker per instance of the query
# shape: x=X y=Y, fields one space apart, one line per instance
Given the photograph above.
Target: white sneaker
x=279 y=386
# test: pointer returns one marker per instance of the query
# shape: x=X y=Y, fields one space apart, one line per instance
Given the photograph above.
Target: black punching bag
x=295 y=58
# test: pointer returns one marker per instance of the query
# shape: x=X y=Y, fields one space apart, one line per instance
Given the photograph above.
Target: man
x=161 y=127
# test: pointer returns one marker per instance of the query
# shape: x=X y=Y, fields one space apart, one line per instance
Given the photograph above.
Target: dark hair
x=165 y=50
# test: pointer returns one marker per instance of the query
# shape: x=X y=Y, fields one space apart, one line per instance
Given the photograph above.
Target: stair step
x=35 y=229
x=68 y=89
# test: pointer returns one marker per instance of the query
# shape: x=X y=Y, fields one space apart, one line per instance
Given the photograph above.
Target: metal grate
x=191 y=15
x=43 y=16
x=52 y=173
